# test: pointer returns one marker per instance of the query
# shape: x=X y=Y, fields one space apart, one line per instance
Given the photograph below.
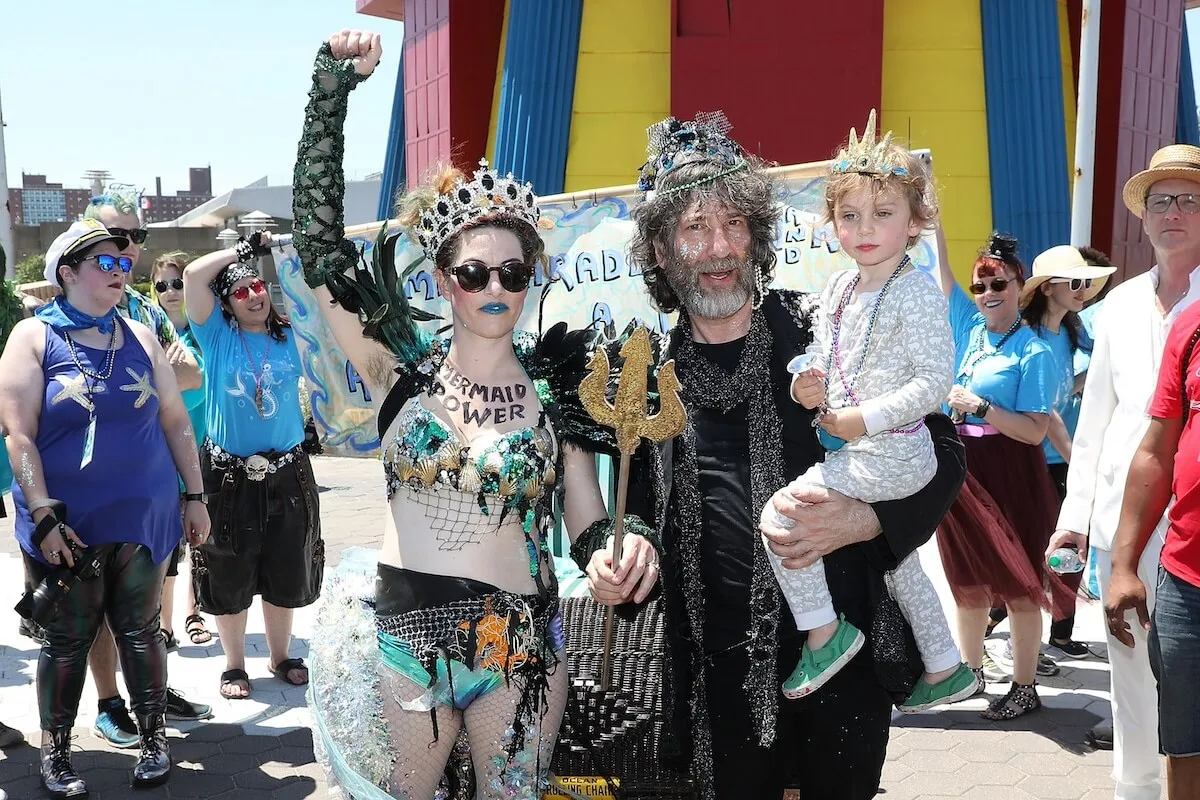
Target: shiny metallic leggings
x=128 y=591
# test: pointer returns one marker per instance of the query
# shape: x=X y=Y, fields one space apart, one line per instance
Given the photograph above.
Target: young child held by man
x=884 y=350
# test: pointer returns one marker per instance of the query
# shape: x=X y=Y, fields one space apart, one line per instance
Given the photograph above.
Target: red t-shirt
x=1181 y=552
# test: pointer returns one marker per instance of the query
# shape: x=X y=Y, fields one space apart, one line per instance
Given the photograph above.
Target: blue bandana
x=64 y=316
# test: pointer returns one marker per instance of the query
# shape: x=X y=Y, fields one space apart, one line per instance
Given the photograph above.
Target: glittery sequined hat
x=866 y=156
x=673 y=143
x=485 y=193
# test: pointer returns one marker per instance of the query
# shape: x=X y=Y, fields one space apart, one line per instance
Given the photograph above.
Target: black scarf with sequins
x=705 y=385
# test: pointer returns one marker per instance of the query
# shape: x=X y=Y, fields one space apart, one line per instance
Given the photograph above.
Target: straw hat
x=1064 y=261
x=1172 y=161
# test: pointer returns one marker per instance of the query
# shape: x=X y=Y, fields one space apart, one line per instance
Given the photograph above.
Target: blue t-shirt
x=194 y=398
x=1070 y=363
x=6 y=476
x=1021 y=376
x=232 y=359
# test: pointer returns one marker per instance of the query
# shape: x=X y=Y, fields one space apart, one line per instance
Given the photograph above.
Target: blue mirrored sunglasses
x=108 y=263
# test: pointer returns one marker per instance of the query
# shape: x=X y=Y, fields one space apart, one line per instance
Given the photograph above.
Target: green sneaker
x=959 y=686
x=816 y=667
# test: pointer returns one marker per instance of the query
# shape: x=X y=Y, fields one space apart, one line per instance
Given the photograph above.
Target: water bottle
x=1065 y=561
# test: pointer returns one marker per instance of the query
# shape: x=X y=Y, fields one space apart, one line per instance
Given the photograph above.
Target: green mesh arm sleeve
x=319 y=184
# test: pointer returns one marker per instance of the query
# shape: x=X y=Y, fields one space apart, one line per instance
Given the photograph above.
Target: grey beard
x=685 y=281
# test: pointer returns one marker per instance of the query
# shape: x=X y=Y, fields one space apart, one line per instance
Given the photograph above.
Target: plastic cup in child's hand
x=805 y=362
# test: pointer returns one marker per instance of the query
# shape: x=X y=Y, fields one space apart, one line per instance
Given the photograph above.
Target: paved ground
x=262 y=748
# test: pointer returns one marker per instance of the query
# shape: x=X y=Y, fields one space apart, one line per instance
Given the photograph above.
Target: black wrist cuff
x=56 y=517
x=595 y=537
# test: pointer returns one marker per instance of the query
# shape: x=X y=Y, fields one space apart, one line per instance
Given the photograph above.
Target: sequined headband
x=231 y=275
x=867 y=156
x=673 y=143
x=486 y=193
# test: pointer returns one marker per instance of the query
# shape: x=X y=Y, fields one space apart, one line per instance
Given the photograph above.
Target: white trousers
x=1136 y=762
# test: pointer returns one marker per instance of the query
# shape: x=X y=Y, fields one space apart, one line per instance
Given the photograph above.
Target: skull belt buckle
x=256 y=467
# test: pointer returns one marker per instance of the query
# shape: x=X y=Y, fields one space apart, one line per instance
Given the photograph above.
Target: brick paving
x=261 y=749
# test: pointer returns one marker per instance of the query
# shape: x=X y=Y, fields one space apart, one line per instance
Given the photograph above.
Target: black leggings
x=128 y=592
x=831 y=745
x=1062 y=629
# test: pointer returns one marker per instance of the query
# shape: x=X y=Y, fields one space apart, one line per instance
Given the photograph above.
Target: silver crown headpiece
x=484 y=194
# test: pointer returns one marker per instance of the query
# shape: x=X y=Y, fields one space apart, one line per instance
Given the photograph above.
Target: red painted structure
x=450 y=52
x=788 y=102
x=1135 y=114
x=388 y=9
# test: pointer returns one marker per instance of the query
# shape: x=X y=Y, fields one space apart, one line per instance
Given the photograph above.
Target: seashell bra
x=513 y=469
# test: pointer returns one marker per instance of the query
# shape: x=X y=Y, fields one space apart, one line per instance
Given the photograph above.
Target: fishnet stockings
x=420 y=761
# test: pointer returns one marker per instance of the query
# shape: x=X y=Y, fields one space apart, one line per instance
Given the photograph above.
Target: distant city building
x=39 y=201
x=159 y=207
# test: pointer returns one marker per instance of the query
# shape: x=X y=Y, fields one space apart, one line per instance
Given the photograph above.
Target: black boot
x=153 y=766
x=58 y=776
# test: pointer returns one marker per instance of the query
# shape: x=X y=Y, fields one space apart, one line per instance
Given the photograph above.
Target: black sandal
x=169 y=640
x=232 y=676
x=197 y=631
x=1021 y=699
x=282 y=669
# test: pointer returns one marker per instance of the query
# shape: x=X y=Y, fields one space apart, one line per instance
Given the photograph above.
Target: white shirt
x=1129 y=334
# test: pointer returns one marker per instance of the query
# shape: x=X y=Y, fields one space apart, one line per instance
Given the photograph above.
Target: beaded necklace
x=979 y=350
x=262 y=368
x=834 y=360
x=106 y=371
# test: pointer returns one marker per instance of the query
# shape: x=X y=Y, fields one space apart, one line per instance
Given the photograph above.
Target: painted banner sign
x=587 y=237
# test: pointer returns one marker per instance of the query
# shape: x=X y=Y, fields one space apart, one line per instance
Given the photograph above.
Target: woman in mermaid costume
x=482 y=435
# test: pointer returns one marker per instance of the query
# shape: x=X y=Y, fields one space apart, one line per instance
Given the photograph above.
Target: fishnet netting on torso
x=455 y=517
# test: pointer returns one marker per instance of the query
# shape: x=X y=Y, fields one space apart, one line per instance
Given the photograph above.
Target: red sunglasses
x=242 y=292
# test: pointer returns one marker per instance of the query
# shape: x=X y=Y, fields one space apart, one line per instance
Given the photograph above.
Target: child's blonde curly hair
x=915 y=186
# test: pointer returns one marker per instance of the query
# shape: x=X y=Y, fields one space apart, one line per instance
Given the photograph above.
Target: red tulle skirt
x=993 y=540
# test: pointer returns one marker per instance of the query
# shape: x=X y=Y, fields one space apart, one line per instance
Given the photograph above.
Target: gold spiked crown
x=867 y=156
x=487 y=192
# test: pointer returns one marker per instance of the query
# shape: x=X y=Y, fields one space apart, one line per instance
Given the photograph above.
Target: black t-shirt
x=729 y=524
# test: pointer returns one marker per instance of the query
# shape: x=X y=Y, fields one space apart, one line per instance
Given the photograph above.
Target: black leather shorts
x=265 y=540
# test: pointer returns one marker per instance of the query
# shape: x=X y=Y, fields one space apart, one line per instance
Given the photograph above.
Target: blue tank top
x=129 y=491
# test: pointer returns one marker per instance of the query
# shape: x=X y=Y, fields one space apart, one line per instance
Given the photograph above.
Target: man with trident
x=705 y=244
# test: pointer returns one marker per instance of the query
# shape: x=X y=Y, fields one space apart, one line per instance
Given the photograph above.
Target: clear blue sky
x=151 y=87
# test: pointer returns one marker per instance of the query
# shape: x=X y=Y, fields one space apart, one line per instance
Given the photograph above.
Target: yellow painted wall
x=1070 y=106
x=622 y=87
x=493 y=124
x=933 y=96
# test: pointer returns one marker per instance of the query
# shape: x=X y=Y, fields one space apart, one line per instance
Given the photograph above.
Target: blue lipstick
x=494 y=308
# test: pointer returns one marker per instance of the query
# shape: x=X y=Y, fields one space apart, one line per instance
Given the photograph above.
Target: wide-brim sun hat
x=1173 y=161
x=1064 y=261
x=74 y=240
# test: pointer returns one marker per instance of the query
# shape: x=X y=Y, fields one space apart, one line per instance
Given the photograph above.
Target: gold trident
x=628 y=416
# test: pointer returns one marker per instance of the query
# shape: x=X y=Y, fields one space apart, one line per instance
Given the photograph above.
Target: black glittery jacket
x=856 y=572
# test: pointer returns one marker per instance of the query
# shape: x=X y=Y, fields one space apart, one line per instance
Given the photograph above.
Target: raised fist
x=362 y=47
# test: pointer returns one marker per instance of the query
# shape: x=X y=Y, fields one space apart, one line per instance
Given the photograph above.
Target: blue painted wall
x=537 y=89
x=393 y=161
x=1187 y=126
x=1027 y=152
